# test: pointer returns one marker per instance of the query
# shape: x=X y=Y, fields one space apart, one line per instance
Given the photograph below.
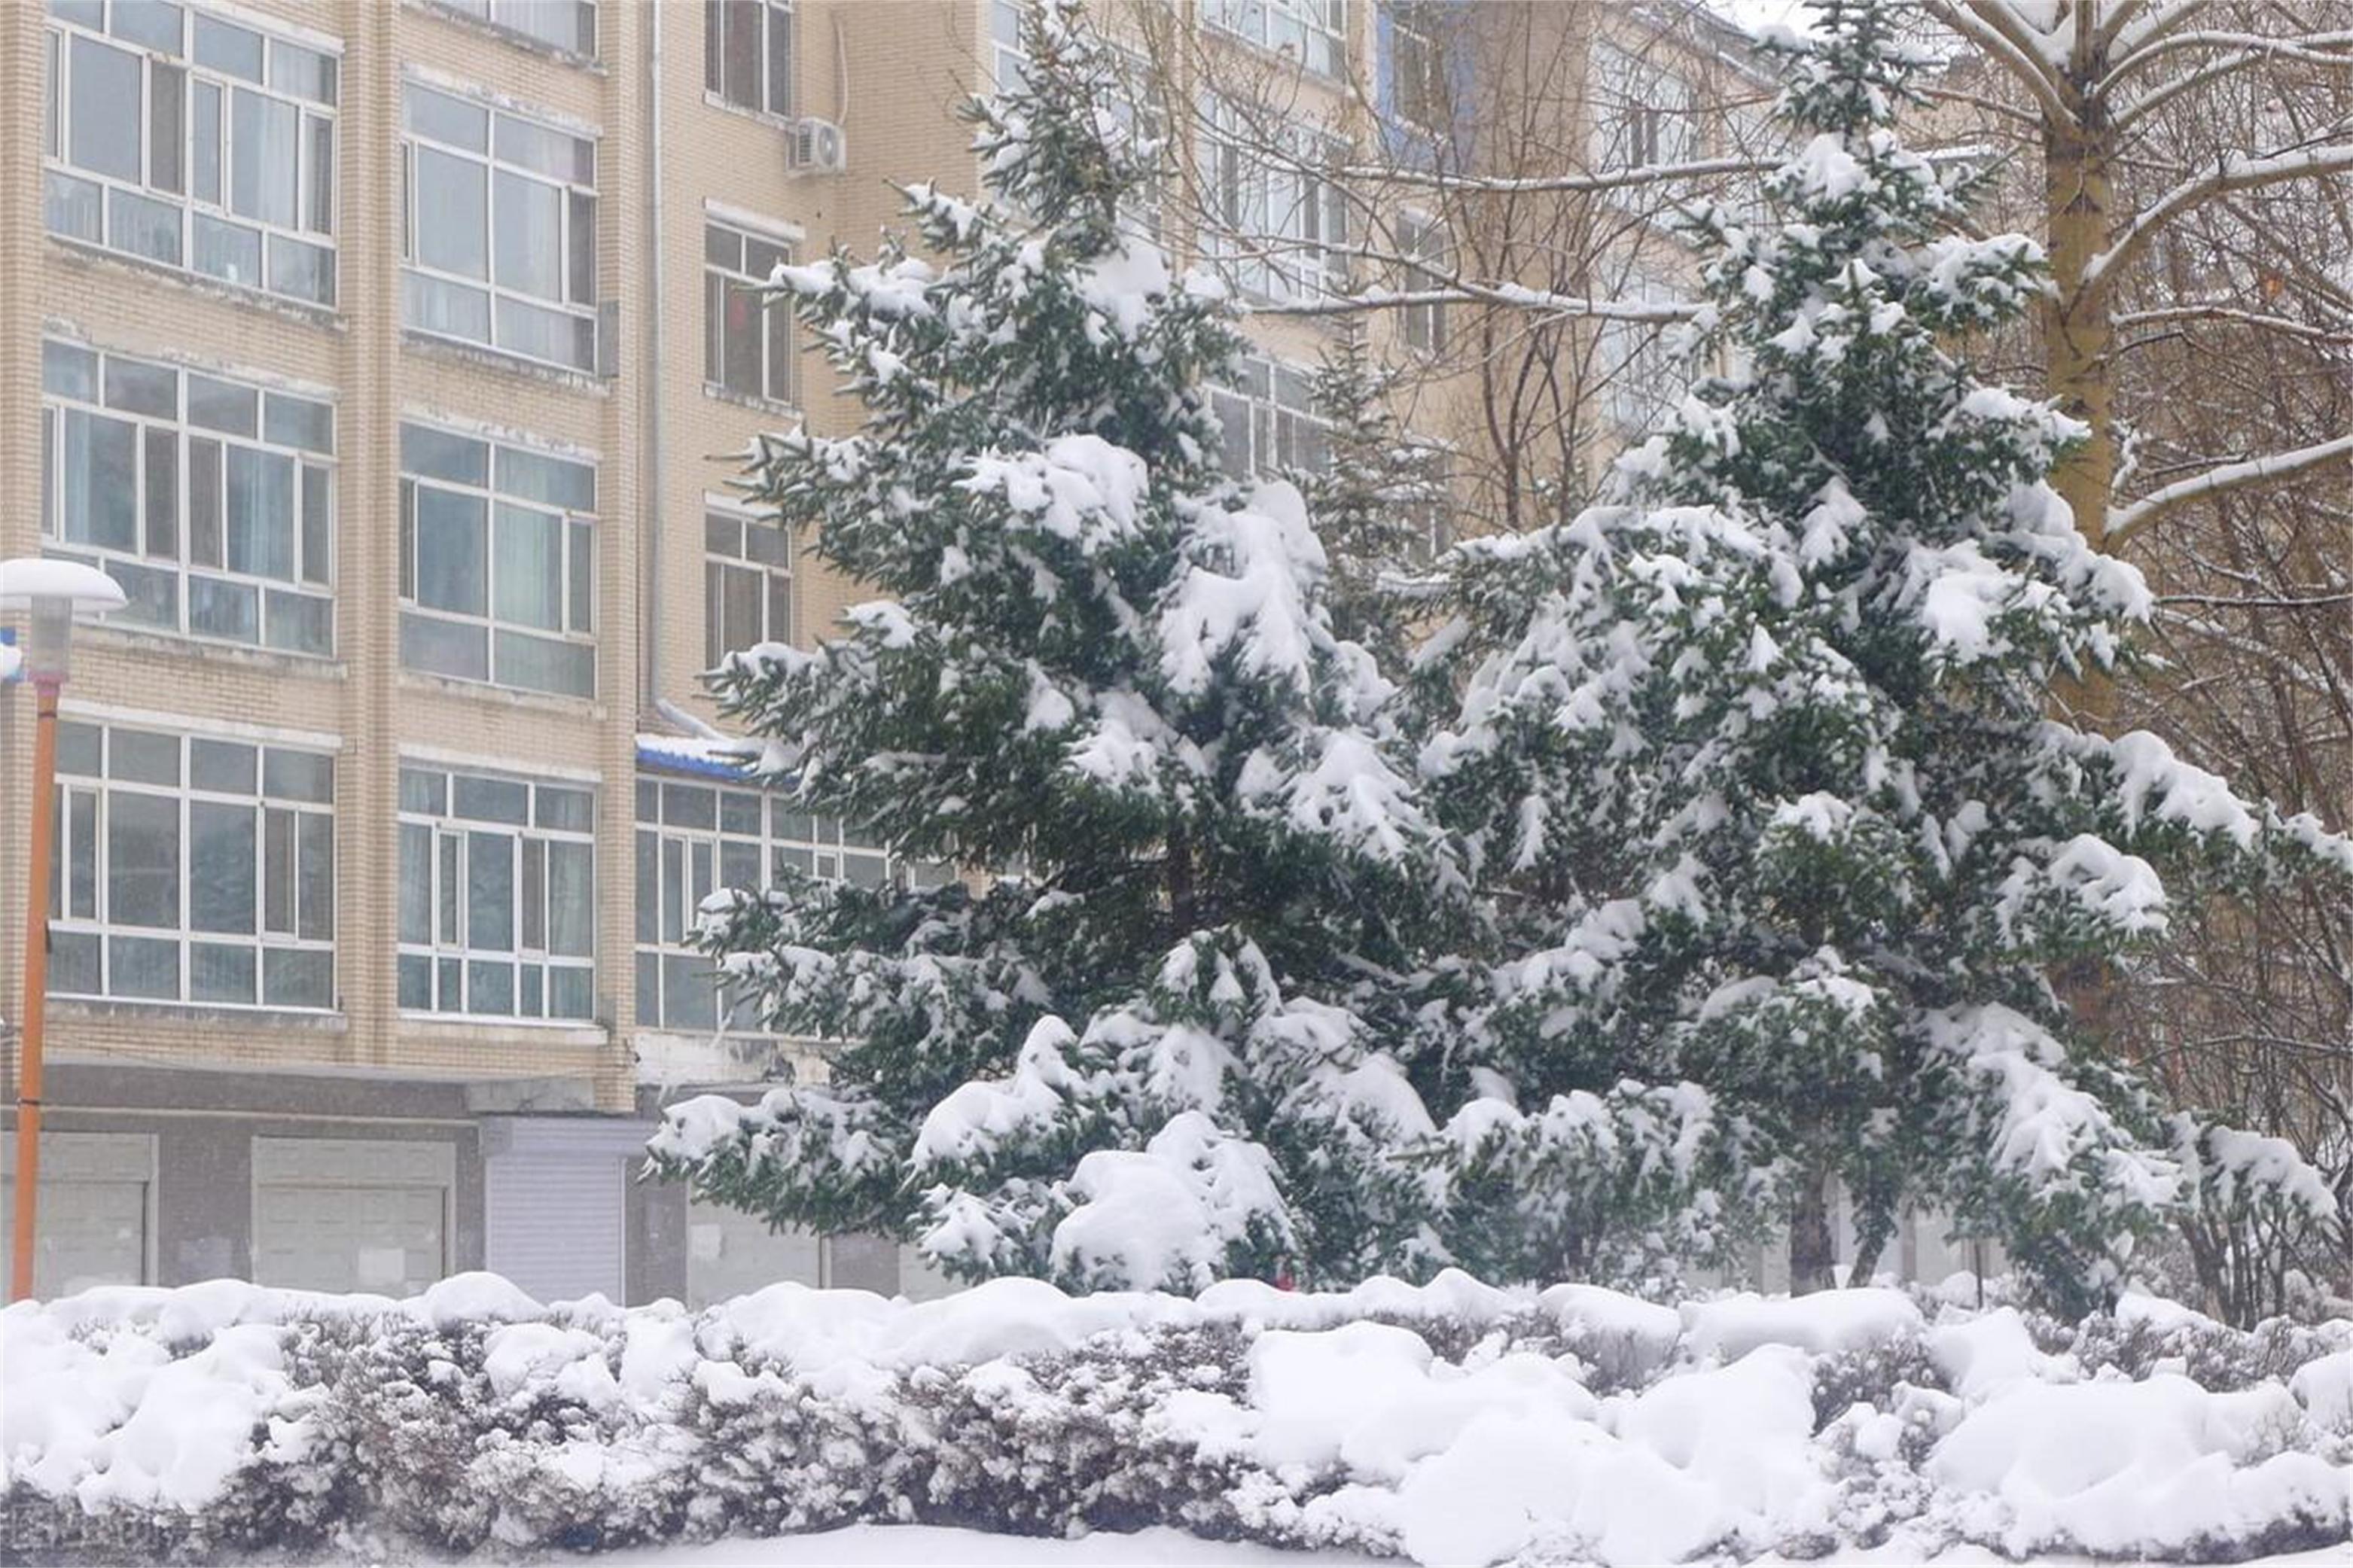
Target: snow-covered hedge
x=1450 y=1423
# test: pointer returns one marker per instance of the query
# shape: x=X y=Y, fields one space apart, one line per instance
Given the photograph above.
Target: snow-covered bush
x=1449 y=1423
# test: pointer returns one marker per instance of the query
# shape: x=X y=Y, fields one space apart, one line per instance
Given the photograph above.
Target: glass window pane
x=221 y=405
x=294 y=977
x=416 y=884
x=739 y=813
x=222 y=610
x=740 y=53
x=69 y=371
x=556 y=153
x=143 y=860
x=490 y=988
x=298 y=776
x=445 y=647
x=205 y=503
x=230 y=251
x=648 y=887
x=690 y=806
x=740 y=370
x=219 y=972
x=319 y=166
x=222 y=765
x=223 y=47
x=166 y=136
x=569 y=810
x=571 y=899
x=452 y=216
x=544 y=664
x=649 y=989
x=100 y=495
x=278 y=871
x=80 y=747
x=530 y=222
x=439 y=455
x=204 y=136
x=155 y=23
x=301 y=271
x=490 y=892
x=298 y=422
x=780 y=60
x=571 y=992
x=579 y=558
x=416 y=983
x=103 y=135
x=437 y=305
x=423 y=792
x=527 y=570
x=260 y=515
x=220 y=868
x=314 y=852
x=143 y=966
x=263 y=168
x=144 y=227
x=491 y=800
x=139 y=757
x=318 y=525
x=163 y=493
x=534 y=476
x=452 y=551
x=448 y=119
x=306 y=73
x=298 y=623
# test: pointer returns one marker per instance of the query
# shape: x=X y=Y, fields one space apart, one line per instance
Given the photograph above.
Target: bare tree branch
x=2126 y=520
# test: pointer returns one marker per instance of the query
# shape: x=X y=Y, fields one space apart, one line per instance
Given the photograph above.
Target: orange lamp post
x=49 y=592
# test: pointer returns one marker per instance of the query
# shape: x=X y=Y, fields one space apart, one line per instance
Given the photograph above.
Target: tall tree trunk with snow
x=2078 y=332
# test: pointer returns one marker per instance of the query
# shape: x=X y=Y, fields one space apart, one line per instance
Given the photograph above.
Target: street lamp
x=49 y=592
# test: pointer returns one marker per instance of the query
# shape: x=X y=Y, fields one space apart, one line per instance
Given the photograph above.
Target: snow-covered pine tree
x=1372 y=499
x=1100 y=678
x=1760 y=751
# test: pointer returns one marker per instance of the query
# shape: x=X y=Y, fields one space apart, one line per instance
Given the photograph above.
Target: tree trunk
x=1813 y=1251
x=2078 y=329
x=1180 y=879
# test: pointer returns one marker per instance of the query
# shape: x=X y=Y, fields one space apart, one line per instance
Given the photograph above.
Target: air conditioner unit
x=816 y=146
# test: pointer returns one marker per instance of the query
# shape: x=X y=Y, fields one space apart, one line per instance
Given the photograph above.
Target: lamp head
x=49 y=592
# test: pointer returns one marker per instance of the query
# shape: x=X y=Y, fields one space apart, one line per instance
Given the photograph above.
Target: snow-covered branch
x=2236 y=171
x=1464 y=291
x=1504 y=185
x=1992 y=26
x=2216 y=310
x=2126 y=520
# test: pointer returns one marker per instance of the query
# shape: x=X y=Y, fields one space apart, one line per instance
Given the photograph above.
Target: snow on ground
x=1452 y=1423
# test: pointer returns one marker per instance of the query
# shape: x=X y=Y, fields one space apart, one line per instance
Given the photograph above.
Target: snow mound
x=1449 y=1422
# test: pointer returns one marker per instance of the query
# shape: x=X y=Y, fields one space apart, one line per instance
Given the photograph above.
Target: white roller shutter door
x=93 y=1227
x=352 y=1213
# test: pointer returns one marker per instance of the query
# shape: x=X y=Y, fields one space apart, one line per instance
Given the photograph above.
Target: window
x=499 y=233
x=194 y=142
x=210 y=501
x=1009 y=68
x=1419 y=94
x=498 y=896
x=1268 y=413
x=1642 y=111
x=1424 y=325
x=695 y=840
x=569 y=25
x=747 y=584
x=1641 y=376
x=1315 y=32
x=497 y=562
x=747 y=340
x=747 y=53
x=193 y=869
x=1279 y=228
x=1430 y=501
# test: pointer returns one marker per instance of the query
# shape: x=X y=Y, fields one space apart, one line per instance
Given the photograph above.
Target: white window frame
x=779 y=368
x=1313 y=32
x=772 y=14
x=196 y=60
x=687 y=859
x=1421 y=239
x=1418 y=55
x=1641 y=111
x=518 y=17
x=1641 y=379
x=575 y=590
x=775 y=572
x=444 y=954
x=168 y=441
x=1275 y=403
x=86 y=804
x=1277 y=229
x=571 y=312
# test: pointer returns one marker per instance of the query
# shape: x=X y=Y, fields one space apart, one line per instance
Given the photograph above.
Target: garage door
x=553 y=1223
x=92 y=1228
x=348 y=1214
x=731 y=1253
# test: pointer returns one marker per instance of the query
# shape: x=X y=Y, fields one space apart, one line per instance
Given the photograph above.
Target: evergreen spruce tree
x=1371 y=500
x=1102 y=679
x=1759 y=753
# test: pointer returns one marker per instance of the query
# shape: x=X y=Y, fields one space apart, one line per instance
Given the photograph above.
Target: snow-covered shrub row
x=1450 y=1423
